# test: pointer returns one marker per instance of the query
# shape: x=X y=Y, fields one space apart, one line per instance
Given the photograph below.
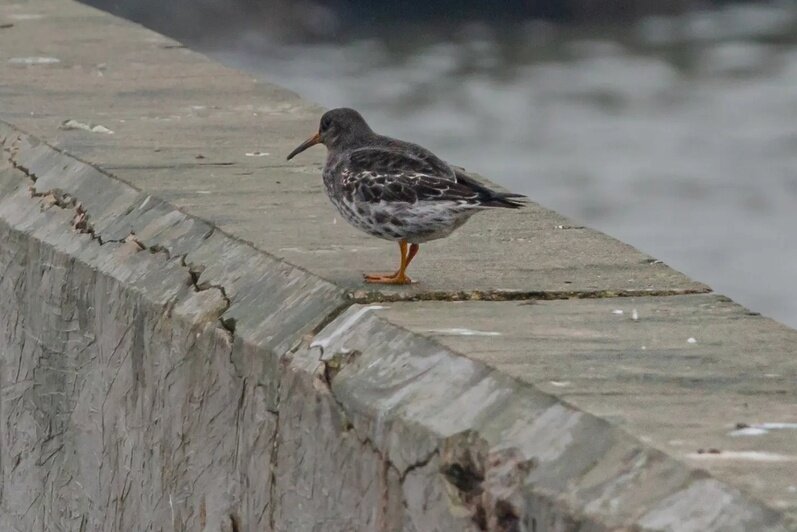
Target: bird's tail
x=488 y=197
x=507 y=200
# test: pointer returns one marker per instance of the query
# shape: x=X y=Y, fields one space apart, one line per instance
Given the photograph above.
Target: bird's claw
x=387 y=279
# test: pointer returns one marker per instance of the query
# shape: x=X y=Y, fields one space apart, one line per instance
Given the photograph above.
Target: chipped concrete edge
x=462 y=446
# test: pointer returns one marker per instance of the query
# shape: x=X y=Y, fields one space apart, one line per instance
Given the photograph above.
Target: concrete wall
x=219 y=366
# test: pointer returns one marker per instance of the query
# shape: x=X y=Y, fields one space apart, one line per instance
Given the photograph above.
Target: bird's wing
x=382 y=174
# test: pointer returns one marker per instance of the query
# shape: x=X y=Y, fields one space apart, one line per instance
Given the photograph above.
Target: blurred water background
x=669 y=125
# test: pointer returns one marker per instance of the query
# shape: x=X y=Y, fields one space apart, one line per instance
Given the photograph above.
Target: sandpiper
x=396 y=190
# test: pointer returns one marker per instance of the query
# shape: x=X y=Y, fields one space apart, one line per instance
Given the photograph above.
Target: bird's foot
x=396 y=278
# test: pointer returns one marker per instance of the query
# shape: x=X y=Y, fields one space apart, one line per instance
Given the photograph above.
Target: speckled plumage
x=393 y=189
x=401 y=191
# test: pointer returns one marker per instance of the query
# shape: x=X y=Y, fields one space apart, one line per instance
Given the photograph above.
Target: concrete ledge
x=123 y=376
x=251 y=423
x=173 y=359
x=680 y=373
x=506 y=451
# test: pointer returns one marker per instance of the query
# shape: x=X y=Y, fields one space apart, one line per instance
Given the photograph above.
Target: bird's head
x=339 y=128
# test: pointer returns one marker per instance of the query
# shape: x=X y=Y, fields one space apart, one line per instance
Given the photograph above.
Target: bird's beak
x=312 y=141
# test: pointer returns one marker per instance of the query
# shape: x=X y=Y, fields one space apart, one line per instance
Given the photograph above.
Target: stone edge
x=408 y=419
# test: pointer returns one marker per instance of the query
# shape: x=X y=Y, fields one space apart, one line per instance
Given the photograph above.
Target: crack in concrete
x=362 y=297
x=81 y=223
x=423 y=462
x=328 y=371
x=58 y=198
x=330 y=317
x=195 y=272
x=274 y=458
x=335 y=363
x=467 y=474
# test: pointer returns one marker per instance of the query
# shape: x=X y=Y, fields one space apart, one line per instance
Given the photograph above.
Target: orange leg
x=399 y=277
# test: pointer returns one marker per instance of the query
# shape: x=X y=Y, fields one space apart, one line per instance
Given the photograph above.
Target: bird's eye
x=325 y=123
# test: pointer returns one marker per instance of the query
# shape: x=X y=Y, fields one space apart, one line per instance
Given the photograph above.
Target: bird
x=396 y=190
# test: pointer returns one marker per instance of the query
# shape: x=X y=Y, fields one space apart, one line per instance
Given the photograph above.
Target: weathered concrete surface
x=683 y=376
x=160 y=373
x=128 y=400
x=539 y=459
x=173 y=385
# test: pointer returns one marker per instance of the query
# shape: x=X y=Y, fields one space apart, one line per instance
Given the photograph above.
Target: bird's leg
x=411 y=255
x=391 y=278
x=399 y=276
